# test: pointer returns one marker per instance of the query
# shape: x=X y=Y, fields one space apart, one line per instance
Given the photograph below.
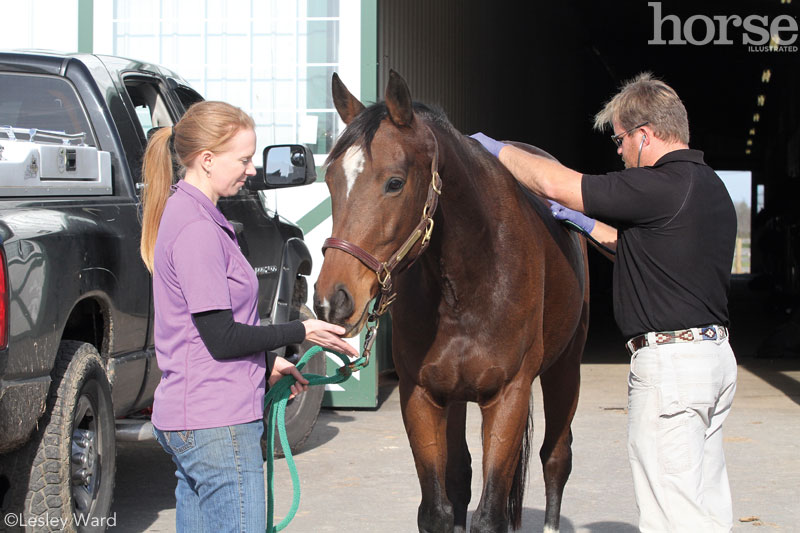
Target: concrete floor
x=357 y=473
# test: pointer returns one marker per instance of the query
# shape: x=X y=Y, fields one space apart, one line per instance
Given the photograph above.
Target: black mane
x=364 y=126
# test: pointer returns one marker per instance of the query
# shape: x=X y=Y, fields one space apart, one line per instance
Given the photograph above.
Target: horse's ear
x=346 y=104
x=398 y=100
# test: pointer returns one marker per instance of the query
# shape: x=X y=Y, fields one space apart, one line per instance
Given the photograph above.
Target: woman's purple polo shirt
x=198 y=267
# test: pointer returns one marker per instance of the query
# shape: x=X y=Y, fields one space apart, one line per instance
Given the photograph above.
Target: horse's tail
x=517 y=492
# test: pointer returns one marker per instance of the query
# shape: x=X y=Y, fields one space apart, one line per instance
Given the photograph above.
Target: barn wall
x=427 y=44
x=521 y=73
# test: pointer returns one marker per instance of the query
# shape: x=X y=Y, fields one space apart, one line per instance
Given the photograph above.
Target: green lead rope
x=276 y=399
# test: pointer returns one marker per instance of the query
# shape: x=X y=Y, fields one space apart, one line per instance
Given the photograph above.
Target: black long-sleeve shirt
x=227 y=339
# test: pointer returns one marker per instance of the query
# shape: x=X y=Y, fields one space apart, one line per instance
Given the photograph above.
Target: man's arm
x=544 y=177
x=607 y=236
x=552 y=180
x=602 y=236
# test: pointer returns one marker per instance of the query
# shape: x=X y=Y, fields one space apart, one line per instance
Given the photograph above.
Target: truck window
x=150 y=105
x=40 y=102
x=187 y=96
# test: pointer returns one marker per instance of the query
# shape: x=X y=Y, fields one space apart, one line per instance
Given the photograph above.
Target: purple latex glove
x=576 y=217
x=490 y=144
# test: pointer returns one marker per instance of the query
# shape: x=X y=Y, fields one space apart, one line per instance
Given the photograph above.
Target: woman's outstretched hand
x=328 y=336
x=321 y=333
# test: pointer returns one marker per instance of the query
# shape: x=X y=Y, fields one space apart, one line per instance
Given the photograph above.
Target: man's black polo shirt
x=676 y=237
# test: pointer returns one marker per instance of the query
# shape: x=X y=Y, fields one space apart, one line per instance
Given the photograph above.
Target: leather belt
x=706 y=333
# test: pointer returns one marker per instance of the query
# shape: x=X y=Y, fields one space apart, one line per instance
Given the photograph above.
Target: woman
x=207 y=411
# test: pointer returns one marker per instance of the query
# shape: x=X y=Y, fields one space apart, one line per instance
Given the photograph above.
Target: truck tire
x=71 y=482
x=302 y=411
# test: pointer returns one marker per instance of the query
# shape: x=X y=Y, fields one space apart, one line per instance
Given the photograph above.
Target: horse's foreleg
x=427 y=434
x=459 y=465
x=560 y=398
x=505 y=422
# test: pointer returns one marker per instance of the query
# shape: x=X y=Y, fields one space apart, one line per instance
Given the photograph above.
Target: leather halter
x=385 y=269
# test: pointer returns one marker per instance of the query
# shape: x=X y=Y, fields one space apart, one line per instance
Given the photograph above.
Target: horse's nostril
x=341 y=304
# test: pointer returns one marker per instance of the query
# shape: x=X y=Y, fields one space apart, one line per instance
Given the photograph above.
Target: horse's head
x=379 y=175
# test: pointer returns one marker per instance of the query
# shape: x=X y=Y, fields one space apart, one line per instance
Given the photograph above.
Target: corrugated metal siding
x=427 y=43
x=514 y=70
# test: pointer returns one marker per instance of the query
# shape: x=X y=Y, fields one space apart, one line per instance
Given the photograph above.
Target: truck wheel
x=72 y=477
x=302 y=411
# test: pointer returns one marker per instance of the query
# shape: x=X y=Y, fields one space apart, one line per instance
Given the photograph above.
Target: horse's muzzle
x=337 y=309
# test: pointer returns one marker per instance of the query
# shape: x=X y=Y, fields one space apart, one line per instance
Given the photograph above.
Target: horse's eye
x=394 y=185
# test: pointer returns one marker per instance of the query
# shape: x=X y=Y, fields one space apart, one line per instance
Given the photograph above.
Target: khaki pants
x=678 y=397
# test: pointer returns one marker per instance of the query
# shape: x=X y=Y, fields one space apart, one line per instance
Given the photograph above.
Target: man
x=673 y=225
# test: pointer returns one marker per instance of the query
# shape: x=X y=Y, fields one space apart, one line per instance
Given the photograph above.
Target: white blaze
x=353 y=164
x=326 y=306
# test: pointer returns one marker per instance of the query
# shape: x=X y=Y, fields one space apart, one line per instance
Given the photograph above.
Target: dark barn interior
x=538 y=72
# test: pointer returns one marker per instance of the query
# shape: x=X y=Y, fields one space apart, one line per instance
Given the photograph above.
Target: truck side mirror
x=285 y=165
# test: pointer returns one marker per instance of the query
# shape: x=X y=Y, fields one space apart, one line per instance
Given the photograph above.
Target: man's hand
x=576 y=217
x=490 y=144
x=328 y=336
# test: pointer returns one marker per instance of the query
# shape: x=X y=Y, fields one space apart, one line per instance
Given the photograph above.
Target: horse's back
x=571 y=244
x=535 y=150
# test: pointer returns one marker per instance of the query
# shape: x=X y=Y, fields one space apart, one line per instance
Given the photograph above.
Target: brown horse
x=490 y=292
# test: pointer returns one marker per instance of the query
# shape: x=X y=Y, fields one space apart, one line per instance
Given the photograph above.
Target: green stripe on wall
x=316 y=216
x=86 y=26
x=369 y=51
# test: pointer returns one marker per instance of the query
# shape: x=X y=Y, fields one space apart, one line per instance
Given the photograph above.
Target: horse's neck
x=478 y=196
x=477 y=210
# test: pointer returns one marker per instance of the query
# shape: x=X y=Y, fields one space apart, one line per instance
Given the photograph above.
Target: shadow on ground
x=135 y=507
x=533 y=520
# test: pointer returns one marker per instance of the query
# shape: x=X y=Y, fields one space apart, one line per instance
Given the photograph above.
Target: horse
x=487 y=291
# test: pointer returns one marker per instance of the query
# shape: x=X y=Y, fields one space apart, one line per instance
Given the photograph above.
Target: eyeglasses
x=618 y=138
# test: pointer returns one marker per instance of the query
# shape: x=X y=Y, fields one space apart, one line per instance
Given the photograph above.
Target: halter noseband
x=384 y=270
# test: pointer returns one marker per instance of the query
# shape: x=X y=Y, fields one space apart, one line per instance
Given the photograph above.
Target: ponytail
x=157 y=177
x=206 y=125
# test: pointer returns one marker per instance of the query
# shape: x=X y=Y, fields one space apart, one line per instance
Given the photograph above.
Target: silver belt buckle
x=629 y=346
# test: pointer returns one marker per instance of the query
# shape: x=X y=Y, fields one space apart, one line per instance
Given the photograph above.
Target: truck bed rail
x=33 y=133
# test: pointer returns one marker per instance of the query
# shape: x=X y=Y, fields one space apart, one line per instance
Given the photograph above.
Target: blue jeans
x=220 y=475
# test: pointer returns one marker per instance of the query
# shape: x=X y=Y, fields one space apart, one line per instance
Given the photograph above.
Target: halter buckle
x=387 y=279
x=435 y=181
x=384 y=305
x=428 y=232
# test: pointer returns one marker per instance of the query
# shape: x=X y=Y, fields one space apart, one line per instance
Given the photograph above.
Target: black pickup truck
x=76 y=314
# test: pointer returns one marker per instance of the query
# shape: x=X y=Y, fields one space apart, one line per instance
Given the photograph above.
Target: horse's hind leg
x=560 y=399
x=459 y=465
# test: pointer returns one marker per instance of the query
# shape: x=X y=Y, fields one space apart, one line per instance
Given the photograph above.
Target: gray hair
x=647 y=99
